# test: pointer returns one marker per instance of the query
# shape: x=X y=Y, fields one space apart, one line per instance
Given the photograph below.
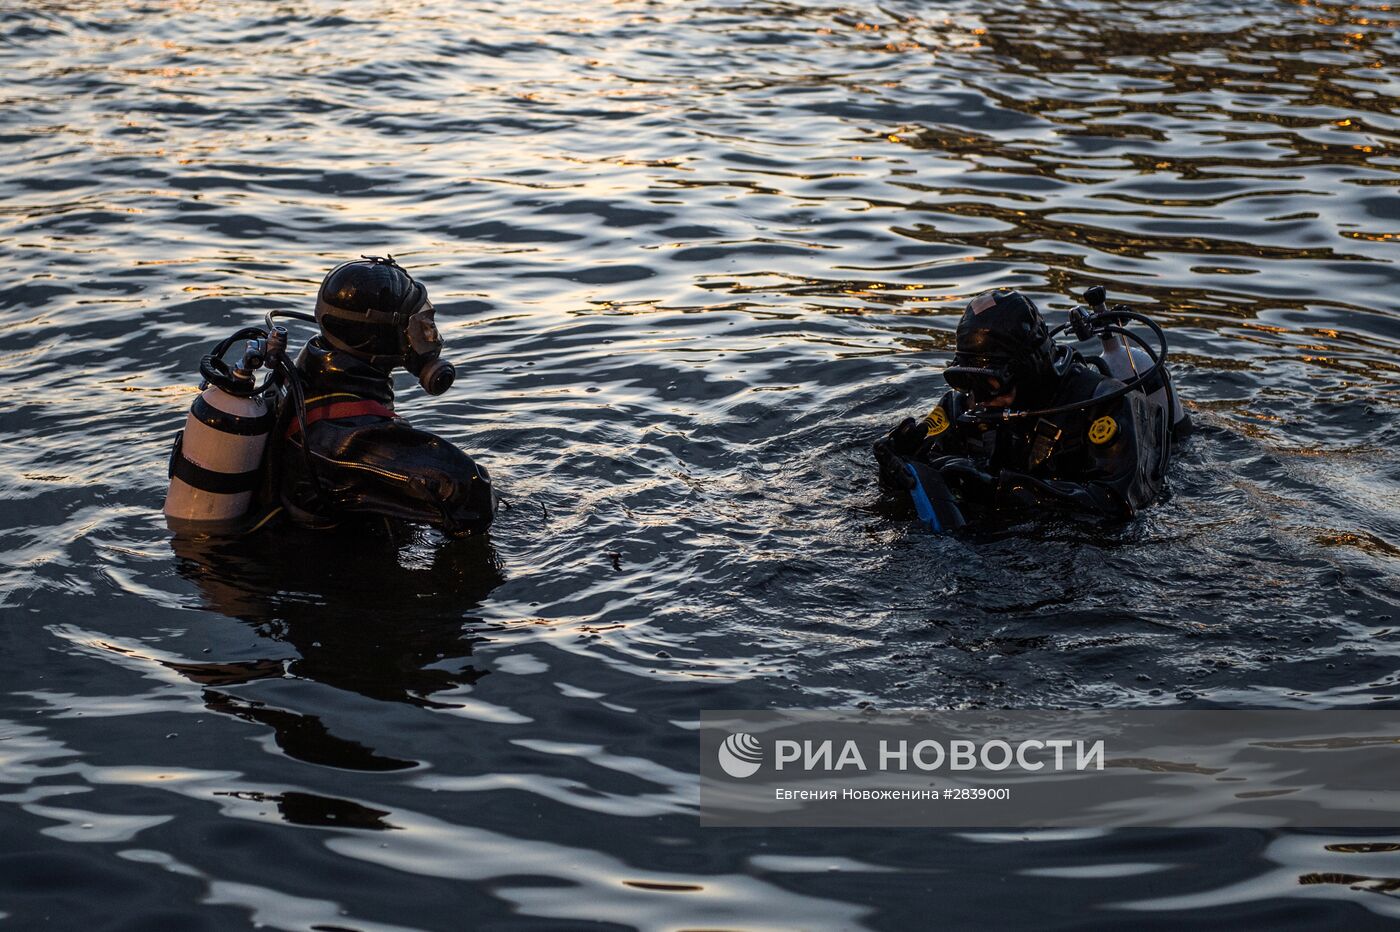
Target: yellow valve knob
x=1103 y=430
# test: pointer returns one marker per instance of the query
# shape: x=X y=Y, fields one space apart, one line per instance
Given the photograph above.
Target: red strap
x=339 y=409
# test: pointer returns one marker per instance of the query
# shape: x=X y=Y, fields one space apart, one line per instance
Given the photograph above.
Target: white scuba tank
x=1127 y=362
x=217 y=460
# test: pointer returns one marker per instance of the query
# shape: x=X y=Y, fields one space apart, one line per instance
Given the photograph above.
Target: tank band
x=228 y=423
x=206 y=480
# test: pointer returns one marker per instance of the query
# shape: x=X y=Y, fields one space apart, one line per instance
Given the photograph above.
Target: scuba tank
x=218 y=459
x=1126 y=361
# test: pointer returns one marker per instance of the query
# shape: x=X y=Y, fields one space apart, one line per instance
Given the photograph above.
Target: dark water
x=689 y=259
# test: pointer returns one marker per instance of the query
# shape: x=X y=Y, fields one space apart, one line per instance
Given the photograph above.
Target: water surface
x=690 y=259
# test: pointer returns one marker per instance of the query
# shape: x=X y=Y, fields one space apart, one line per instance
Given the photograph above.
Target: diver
x=1030 y=426
x=319 y=440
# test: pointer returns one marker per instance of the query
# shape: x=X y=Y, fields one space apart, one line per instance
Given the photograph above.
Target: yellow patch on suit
x=937 y=422
x=1103 y=430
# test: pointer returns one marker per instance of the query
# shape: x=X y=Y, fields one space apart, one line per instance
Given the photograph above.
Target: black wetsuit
x=364 y=459
x=1104 y=459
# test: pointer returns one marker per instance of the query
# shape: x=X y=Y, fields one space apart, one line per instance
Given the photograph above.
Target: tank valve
x=1081 y=322
x=276 y=341
x=1096 y=297
x=254 y=354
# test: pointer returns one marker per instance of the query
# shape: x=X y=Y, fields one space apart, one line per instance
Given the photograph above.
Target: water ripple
x=689 y=258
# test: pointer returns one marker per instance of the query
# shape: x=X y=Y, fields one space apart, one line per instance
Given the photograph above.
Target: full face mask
x=373 y=309
x=424 y=348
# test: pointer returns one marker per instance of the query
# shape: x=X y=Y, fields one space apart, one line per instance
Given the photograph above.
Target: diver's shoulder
x=1083 y=380
x=315 y=357
x=1107 y=385
x=953 y=404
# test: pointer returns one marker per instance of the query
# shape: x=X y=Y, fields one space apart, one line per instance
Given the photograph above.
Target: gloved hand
x=904 y=439
x=967 y=479
x=892 y=449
